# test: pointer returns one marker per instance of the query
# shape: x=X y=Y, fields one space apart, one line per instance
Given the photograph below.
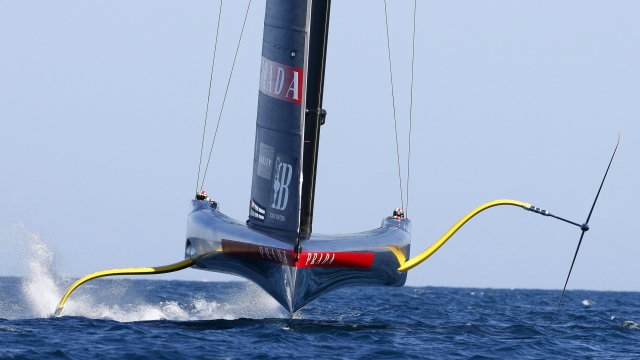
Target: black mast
x=315 y=115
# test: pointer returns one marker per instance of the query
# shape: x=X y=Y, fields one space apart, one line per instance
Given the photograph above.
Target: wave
x=248 y=301
x=629 y=325
x=588 y=302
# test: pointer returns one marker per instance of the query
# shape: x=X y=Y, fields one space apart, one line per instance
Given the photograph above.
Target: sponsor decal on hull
x=335 y=259
x=307 y=259
x=256 y=252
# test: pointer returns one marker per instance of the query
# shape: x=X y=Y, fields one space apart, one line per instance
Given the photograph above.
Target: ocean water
x=155 y=319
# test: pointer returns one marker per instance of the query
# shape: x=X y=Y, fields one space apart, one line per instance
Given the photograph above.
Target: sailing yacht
x=276 y=248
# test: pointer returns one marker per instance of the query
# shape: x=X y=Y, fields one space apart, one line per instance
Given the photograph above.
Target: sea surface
x=158 y=319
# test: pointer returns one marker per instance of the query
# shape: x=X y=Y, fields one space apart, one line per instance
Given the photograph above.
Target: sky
x=102 y=106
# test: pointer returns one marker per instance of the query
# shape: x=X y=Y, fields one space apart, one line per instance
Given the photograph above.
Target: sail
x=277 y=163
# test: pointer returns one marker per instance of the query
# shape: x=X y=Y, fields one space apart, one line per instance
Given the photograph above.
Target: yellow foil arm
x=126 y=271
x=415 y=261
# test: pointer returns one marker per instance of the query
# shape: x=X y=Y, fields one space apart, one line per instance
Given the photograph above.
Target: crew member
x=398 y=213
x=202 y=195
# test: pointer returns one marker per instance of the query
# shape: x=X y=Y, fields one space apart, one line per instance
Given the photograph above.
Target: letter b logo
x=281 y=185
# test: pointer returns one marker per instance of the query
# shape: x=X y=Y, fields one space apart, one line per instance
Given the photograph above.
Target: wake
x=44 y=285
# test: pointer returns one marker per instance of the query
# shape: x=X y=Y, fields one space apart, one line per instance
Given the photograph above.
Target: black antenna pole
x=585 y=228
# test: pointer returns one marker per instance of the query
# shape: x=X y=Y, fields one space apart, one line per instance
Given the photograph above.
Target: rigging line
x=206 y=114
x=224 y=99
x=413 y=47
x=393 y=102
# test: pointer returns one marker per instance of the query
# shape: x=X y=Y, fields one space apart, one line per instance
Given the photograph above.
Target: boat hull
x=326 y=262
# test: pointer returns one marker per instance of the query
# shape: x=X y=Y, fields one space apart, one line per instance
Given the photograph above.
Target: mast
x=315 y=114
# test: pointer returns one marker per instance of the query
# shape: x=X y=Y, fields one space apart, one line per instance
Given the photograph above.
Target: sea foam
x=588 y=302
x=248 y=301
x=44 y=285
x=629 y=325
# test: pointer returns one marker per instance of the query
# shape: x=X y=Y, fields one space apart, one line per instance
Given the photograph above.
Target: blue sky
x=102 y=104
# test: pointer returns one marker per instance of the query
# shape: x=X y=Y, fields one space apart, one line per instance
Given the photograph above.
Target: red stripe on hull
x=308 y=259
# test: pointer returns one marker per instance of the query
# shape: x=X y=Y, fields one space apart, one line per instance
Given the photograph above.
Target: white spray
x=40 y=287
x=43 y=287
